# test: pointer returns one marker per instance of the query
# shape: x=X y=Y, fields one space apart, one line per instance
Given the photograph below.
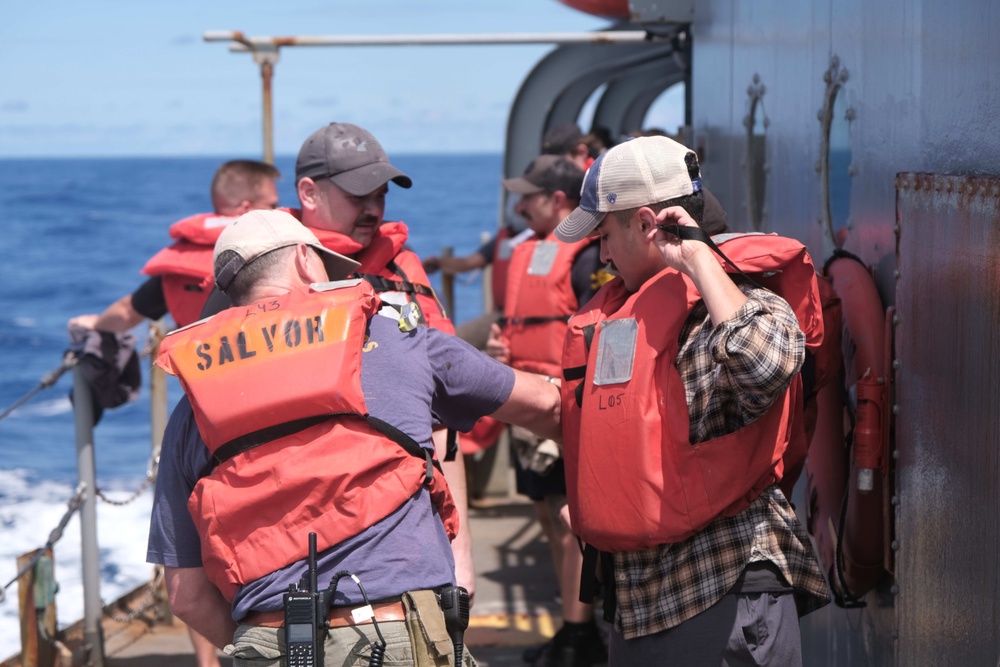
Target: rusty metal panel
x=948 y=422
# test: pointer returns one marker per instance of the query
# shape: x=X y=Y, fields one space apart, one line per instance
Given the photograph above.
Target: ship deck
x=515 y=604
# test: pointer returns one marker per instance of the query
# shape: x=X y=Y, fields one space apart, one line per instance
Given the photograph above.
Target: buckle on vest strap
x=429 y=462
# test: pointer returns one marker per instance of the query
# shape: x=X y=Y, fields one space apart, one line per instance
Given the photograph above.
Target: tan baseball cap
x=257 y=233
x=638 y=172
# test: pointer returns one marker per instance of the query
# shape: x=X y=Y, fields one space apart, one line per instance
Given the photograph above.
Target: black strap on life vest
x=531 y=321
x=589 y=584
x=268 y=434
x=424 y=290
x=686 y=233
x=451 y=451
x=383 y=284
x=580 y=372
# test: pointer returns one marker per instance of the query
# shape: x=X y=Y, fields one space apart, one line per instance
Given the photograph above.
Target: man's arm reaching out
x=535 y=404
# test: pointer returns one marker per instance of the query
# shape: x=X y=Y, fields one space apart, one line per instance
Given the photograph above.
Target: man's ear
x=307 y=268
x=646 y=219
x=245 y=206
x=307 y=191
x=302 y=258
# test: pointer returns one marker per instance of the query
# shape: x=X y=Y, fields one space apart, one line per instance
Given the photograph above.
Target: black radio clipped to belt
x=454 y=601
x=305 y=617
x=306 y=623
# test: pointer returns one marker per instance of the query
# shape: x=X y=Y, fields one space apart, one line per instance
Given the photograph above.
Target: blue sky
x=134 y=77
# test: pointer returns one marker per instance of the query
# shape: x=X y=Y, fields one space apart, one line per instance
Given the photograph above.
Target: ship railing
x=41 y=641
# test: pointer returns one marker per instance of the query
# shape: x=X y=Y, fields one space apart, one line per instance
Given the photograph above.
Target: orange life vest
x=540 y=301
x=390 y=267
x=276 y=393
x=500 y=262
x=185 y=267
x=633 y=478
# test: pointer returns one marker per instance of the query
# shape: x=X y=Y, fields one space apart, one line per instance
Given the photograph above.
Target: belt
x=338 y=617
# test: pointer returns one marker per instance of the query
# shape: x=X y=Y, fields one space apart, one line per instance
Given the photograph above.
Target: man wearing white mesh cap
x=681 y=394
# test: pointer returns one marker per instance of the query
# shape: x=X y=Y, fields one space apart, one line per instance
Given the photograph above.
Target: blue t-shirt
x=405 y=378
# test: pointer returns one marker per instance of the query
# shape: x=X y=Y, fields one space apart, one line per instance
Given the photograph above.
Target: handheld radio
x=305 y=616
x=455 y=606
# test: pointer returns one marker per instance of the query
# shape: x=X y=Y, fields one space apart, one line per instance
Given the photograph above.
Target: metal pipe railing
x=93 y=632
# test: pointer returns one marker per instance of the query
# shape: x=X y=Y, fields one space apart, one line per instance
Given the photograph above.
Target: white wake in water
x=28 y=514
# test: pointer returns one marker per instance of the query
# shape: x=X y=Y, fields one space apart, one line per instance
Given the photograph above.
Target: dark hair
x=599 y=140
x=566 y=177
x=561 y=139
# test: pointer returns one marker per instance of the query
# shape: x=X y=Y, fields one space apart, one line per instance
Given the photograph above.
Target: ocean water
x=75 y=233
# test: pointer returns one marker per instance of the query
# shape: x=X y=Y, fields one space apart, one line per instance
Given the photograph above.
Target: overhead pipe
x=265 y=51
x=244 y=43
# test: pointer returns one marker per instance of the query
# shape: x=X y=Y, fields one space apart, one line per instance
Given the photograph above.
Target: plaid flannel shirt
x=731 y=373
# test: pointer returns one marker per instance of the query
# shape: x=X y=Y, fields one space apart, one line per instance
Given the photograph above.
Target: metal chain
x=73 y=504
x=121 y=503
x=155 y=333
x=151 y=597
x=149 y=600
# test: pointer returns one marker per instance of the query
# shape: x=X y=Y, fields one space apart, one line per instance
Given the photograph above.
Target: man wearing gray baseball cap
x=342 y=177
x=681 y=397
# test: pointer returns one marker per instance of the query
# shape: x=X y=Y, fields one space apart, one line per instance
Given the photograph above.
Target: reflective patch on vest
x=506 y=249
x=542 y=258
x=218 y=221
x=335 y=285
x=616 y=351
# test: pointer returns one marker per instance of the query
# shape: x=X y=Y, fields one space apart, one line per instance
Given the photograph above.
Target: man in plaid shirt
x=730 y=590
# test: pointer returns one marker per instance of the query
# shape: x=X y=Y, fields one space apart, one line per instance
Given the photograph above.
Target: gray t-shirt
x=405 y=378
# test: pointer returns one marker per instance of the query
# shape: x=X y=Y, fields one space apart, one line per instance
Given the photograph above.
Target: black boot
x=575 y=645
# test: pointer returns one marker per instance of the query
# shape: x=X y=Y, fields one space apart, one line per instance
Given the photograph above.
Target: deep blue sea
x=75 y=233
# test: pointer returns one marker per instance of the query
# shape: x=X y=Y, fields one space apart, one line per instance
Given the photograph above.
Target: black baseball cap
x=548 y=173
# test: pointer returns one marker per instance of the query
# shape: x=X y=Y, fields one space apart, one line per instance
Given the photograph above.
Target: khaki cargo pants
x=420 y=641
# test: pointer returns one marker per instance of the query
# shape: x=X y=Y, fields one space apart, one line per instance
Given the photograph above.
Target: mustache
x=367 y=220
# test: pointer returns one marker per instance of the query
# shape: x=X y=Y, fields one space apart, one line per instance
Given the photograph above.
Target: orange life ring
x=847 y=467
